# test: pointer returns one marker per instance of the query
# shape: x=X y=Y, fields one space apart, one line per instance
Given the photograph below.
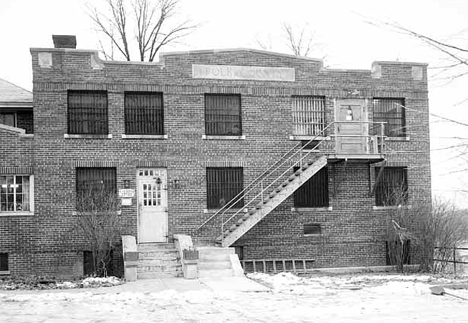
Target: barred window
x=87 y=112
x=223 y=114
x=144 y=113
x=95 y=179
x=15 y=193
x=392 y=112
x=314 y=192
x=392 y=188
x=308 y=115
x=223 y=184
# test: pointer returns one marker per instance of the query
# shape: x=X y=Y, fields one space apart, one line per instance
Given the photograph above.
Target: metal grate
x=278 y=265
x=314 y=192
x=222 y=185
x=144 y=113
x=95 y=178
x=308 y=115
x=87 y=112
x=223 y=114
x=392 y=112
x=392 y=188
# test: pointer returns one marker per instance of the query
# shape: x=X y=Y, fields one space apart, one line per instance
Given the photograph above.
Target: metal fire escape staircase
x=270 y=189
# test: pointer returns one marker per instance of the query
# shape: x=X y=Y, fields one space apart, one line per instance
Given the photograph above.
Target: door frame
x=138 y=200
x=364 y=118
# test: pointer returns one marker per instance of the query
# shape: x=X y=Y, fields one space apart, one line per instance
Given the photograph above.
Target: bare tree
x=421 y=225
x=144 y=25
x=300 y=41
x=99 y=222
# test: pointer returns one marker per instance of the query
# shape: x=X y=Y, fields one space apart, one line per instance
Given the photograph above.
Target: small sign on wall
x=126 y=201
x=126 y=192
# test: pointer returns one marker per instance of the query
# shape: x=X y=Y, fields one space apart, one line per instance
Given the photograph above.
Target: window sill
x=232 y=210
x=90 y=136
x=397 y=138
x=26 y=135
x=3 y=213
x=309 y=138
x=145 y=136
x=4 y=272
x=313 y=235
x=303 y=209
x=392 y=207
x=210 y=137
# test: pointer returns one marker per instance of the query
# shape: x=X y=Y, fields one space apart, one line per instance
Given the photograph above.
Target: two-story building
x=269 y=153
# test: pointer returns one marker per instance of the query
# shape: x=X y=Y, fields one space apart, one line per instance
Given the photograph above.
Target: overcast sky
x=343 y=38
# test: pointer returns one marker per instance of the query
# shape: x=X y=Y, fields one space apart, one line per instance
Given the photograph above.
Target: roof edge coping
x=227 y=50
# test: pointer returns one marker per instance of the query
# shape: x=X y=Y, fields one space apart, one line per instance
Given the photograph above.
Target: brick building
x=270 y=153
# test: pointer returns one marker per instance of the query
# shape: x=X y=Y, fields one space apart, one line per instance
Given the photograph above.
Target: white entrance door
x=351 y=127
x=152 y=205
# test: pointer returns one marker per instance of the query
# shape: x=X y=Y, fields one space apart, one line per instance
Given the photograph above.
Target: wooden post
x=454 y=262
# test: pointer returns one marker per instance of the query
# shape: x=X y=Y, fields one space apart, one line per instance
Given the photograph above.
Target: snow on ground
x=319 y=298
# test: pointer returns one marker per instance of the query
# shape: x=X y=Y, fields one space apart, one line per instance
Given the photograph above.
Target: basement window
x=3 y=262
x=312 y=229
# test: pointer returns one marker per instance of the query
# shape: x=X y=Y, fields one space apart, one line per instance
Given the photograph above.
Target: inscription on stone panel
x=232 y=72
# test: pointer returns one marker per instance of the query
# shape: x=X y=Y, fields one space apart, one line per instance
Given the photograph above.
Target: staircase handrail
x=257 y=180
x=277 y=178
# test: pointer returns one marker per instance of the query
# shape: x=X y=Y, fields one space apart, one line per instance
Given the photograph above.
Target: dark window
x=95 y=178
x=223 y=115
x=87 y=112
x=3 y=262
x=314 y=192
x=25 y=120
x=312 y=229
x=8 y=119
x=308 y=115
x=392 y=112
x=144 y=114
x=223 y=184
x=392 y=188
x=21 y=119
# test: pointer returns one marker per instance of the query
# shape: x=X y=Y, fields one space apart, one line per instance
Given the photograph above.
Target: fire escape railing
x=262 y=184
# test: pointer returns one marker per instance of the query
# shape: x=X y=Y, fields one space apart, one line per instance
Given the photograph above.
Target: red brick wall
x=352 y=232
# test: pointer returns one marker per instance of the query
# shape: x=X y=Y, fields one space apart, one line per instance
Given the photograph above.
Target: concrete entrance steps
x=215 y=262
x=158 y=260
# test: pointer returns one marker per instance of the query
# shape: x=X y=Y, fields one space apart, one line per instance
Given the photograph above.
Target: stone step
x=157 y=262
x=203 y=273
x=162 y=268
x=155 y=246
x=202 y=265
x=155 y=275
x=159 y=255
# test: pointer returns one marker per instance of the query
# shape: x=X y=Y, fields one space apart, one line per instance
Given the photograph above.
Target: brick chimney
x=64 y=41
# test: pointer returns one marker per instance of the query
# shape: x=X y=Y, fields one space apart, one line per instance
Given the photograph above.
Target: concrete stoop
x=218 y=262
x=158 y=260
